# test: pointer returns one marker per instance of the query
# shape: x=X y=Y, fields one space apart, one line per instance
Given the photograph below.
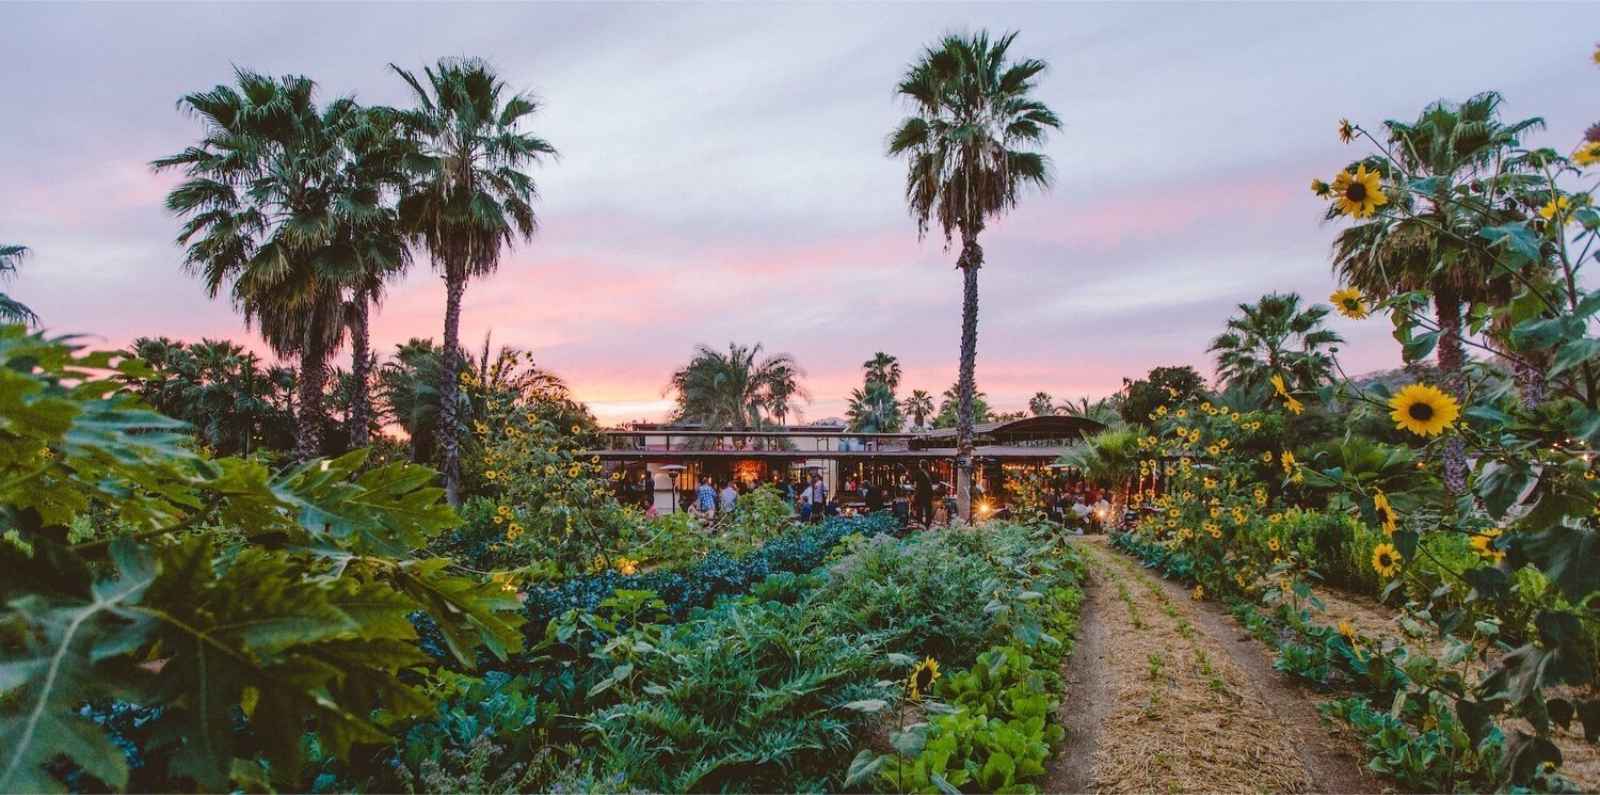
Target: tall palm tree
x=1276 y=336
x=919 y=407
x=883 y=367
x=1041 y=404
x=12 y=311
x=471 y=197
x=873 y=409
x=969 y=146
x=378 y=152
x=729 y=391
x=271 y=209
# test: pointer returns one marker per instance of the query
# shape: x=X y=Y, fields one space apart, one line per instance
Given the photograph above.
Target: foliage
x=1160 y=385
x=284 y=201
x=1275 y=336
x=950 y=404
x=731 y=391
x=467 y=196
x=11 y=310
x=234 y=596
x=758 y=517
x=221 y=389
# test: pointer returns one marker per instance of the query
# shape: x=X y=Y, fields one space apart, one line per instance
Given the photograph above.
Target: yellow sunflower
x=1347 y=131
x=1349 y=303
x=1266 y=457
x=1322 y=189
x=1483 y=544
x=1359 y=194
x=1588 y=154
x=1385 y=560
x=920 y=682
x=1348 y=630
x=1423 y=410
x=1198 y=594
x=1272 y=544
x=1554 y=206
x=1290 y=402
x=1288 y=462
x=1380 y=503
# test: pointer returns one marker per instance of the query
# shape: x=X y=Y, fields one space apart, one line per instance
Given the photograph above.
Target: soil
x=1163 y=696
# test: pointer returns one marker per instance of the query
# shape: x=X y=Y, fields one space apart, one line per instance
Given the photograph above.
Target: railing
x=819 y=440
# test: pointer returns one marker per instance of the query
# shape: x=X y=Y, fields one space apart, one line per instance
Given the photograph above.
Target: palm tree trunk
x=969 y=262
x=455 y=286
x=360 y=373
x=1452 y=355
x=308 y=422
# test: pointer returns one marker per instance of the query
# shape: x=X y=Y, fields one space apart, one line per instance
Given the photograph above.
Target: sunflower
x=1385 y=560
x=1214 y=529
x=1347 y=131
x=1214 y=450
x=1423 y=410
x=1278 y=386
x=1288 y=462
x=1554 y=206
x=1483 y=544
x=920 y=682
x=1266 y=457
x=1359 y=194
x=1349 y=303
x=1380 y=503
x=1348 y=630
x=1322 y=189
x=1272 y=544
x=1198 y=594
x=627 y=567
x=1588 y=154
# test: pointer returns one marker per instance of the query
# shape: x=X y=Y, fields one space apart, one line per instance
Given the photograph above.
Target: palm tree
x=1103 y=411
x=408 y=392
x=1041 y=404
x=873 y=409
x=11 y=311
x=470 y=198
x=271 y=208
x=1276 y=336
x=378 y=152
x=969 y=150
x=883 y=367
x=919 y=407
x=782 y=390
x=1450 y=147
x=1459 y=157
x=729 y=391
x=949 y=415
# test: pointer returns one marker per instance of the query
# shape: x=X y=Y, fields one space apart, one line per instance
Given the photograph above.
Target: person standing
x=922 y=495
x=705 y=497
x=818 y=493
x=728 y=499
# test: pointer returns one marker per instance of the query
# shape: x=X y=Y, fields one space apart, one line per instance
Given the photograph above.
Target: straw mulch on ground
x=1185 y=718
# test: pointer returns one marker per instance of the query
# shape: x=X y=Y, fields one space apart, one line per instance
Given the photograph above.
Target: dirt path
x=1089 y=698
x=1161 y=700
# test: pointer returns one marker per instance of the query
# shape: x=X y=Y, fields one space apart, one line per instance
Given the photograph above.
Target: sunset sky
x=722 y=173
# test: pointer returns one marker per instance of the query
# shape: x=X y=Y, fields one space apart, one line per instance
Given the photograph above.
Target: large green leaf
x=57 y=670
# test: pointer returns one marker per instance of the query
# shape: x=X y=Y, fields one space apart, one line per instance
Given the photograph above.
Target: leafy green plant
x=233 y=597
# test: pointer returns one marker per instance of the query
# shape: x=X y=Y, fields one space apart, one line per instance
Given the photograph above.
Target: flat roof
x=1013 y=452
